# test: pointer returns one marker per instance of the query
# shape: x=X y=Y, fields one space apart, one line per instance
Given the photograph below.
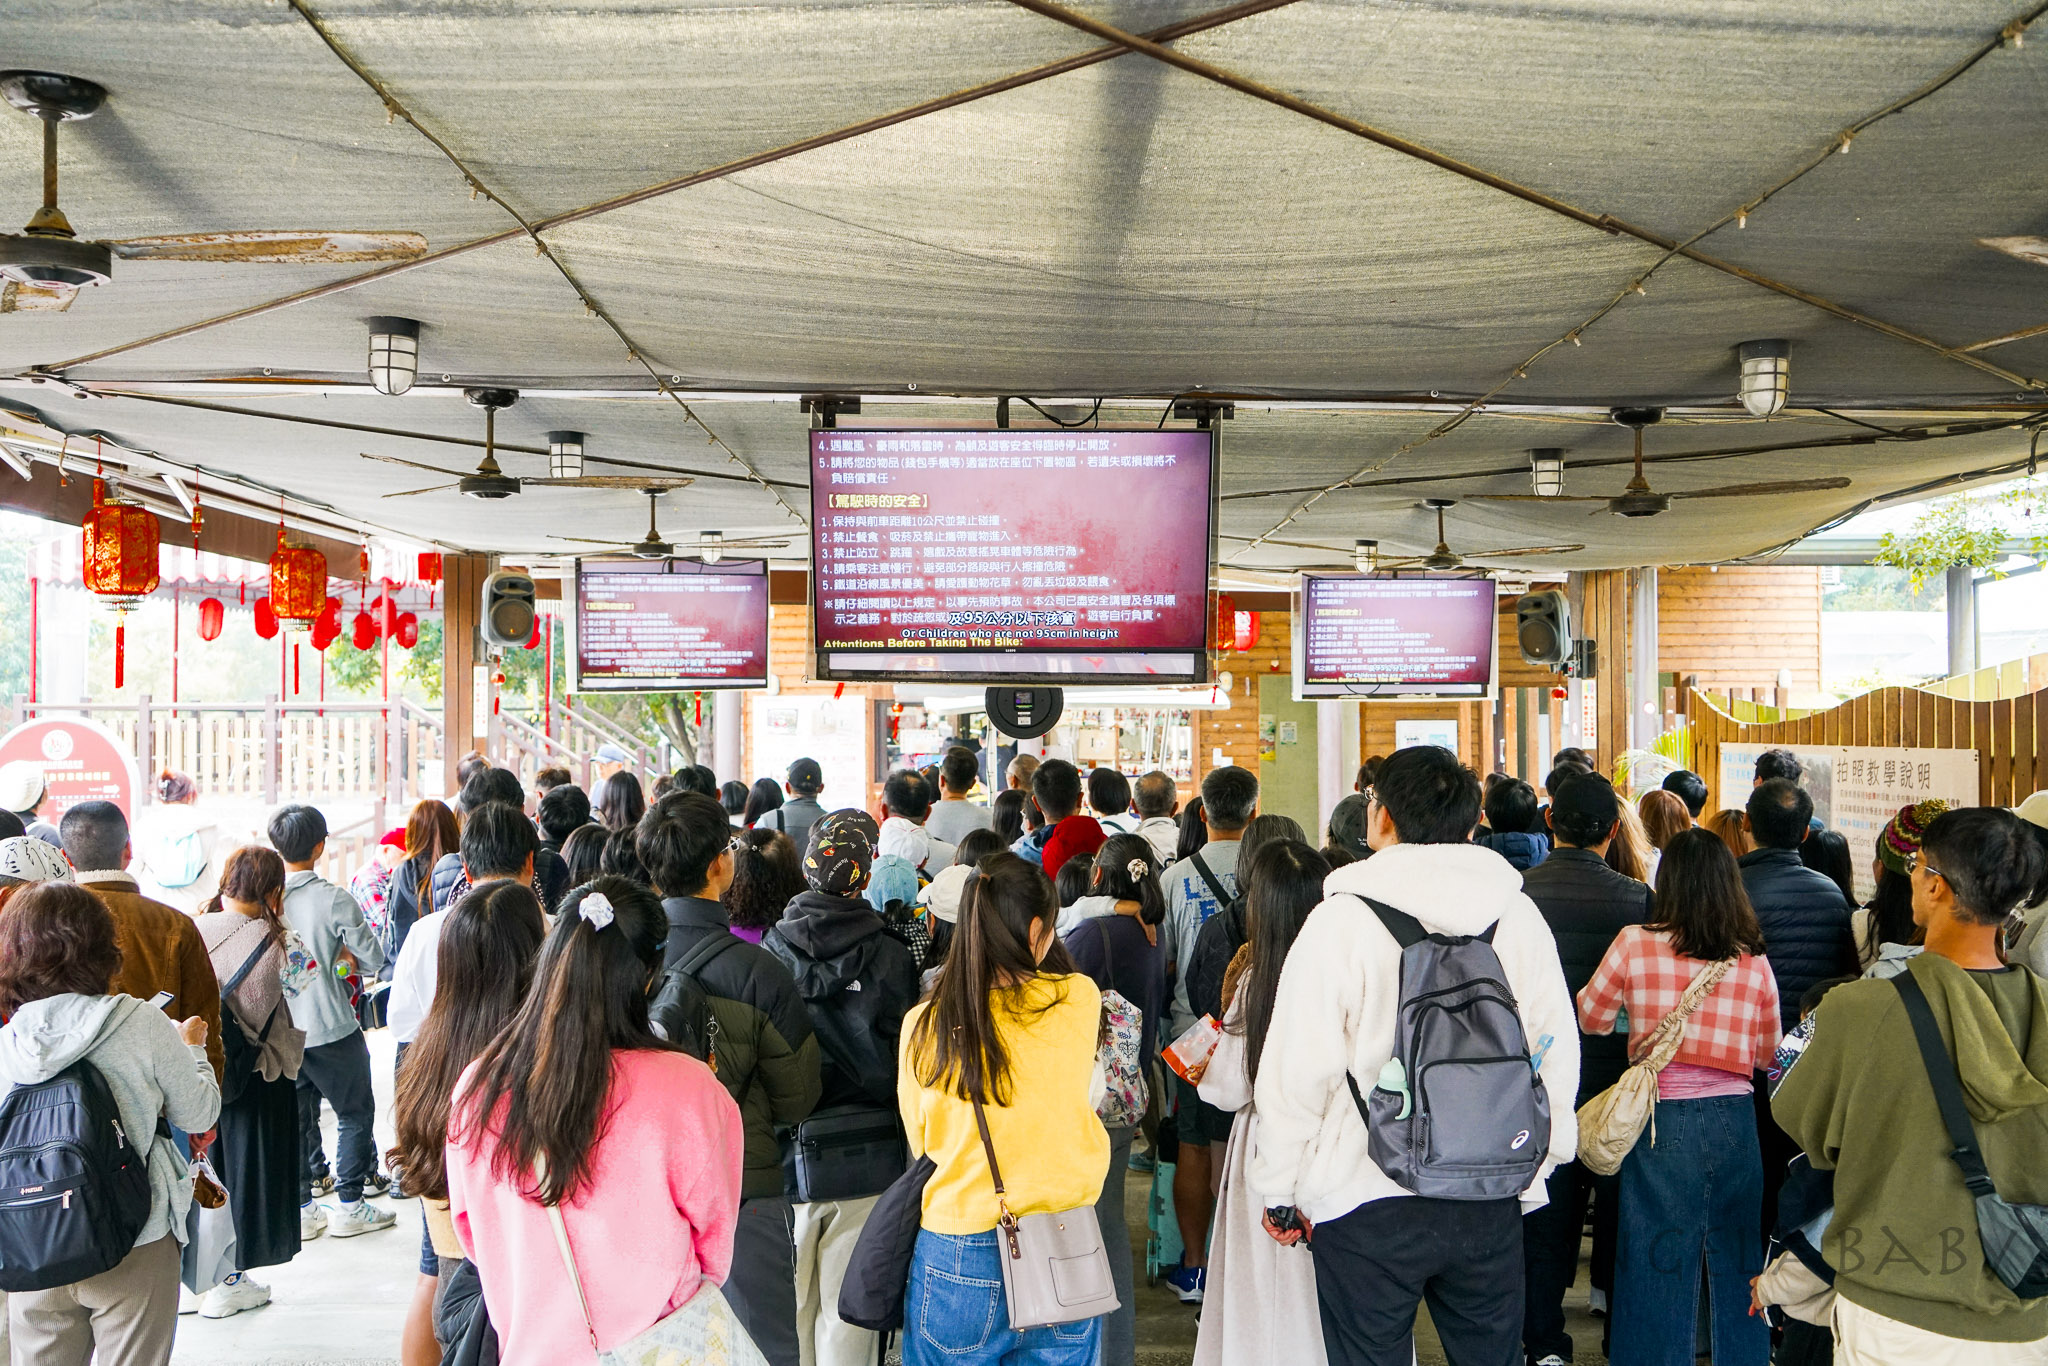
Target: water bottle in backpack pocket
x=1459 y=1112
x=74 y=1185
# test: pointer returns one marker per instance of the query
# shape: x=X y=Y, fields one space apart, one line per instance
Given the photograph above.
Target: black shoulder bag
x=2015 y=1237
x=1223 y=898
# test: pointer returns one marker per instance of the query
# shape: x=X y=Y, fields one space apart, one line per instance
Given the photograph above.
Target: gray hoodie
x=150 y=1070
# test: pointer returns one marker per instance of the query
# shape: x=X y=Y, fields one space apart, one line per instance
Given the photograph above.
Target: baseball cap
x=1585 y=801
x=806 y=777
x=612 y=754
x=841 y=851
x=2034 y=810
x=942 y=897
x=395 y=837
x=1347 y=825
x=21 y=785
x=27 y=859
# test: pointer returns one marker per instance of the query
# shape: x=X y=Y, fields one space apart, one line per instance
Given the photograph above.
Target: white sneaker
x=225 y=1301
x=312 y=1222
x=188 y=1303
x=361 y=1217
x=1552 y=1360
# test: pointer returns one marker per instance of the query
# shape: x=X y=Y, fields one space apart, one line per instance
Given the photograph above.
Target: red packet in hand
x=1189 y=1055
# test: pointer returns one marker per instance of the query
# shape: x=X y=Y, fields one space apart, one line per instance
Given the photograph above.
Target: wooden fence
x=2009 y=734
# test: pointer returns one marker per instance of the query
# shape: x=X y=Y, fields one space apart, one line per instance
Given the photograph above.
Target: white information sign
x=1857 y=789
x=834 y=731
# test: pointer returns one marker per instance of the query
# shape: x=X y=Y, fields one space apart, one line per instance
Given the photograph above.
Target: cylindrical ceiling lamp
x=1546 y=471
x=1766 y=377
x=1365 y=554
x=565 y=455
x=394 y=354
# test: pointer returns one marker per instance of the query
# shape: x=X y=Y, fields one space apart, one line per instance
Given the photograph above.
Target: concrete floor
x=342 y=1303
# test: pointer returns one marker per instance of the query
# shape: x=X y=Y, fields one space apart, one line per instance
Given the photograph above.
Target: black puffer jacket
x=1586 y=904
x=550 y=880
x=857 y=981
x=1805 y=920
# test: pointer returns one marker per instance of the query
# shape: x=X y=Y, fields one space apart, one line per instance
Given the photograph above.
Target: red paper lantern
x=298 y=581
x=385 y=611
x=1225 y=630
x=325 y=633
x=364 y=634
x=1244 y=631
x=407 y=631
x=211 y=615
x=330 y=617
x=120 y=549
x=430 y=567
x=266 y=619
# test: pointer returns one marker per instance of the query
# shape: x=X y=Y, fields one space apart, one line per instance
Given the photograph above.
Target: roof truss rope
x=397 y=108
x=1030 y=76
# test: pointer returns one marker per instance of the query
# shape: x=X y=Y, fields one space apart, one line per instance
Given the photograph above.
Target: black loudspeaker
x=1543 y=629
x=1024 y=713
x=508 y=610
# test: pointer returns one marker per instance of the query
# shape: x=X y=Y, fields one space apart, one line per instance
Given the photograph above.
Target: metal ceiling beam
x=1031 y=76
x=1607 y=223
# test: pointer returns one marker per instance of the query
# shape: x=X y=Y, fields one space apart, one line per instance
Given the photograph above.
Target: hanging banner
x=1856 y=789
x=81 y=761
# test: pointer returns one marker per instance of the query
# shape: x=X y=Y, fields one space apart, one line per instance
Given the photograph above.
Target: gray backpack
x=1459 y=1112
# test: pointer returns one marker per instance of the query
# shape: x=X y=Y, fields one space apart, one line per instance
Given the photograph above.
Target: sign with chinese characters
x=836 y=731
x=81 y=761
x=1363 y=635
x=670 y=625
x=1856 y=789
x=1070 y=555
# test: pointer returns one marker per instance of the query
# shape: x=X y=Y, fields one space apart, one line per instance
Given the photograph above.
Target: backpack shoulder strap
x=1948 y=1087
x=228 y=987
x=1405 y=928
x=1215 y=883
x=699 y=958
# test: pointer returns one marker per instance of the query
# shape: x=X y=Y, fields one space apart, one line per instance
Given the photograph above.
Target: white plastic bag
x=209 y=1255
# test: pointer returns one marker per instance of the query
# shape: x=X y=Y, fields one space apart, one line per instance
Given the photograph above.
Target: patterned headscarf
x=841 y=851
x=1902 y=834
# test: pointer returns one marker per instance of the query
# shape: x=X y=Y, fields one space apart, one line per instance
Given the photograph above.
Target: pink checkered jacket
x=1735 y=1028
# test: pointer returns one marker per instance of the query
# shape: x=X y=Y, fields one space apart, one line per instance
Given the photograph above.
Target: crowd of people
x=712 y=1069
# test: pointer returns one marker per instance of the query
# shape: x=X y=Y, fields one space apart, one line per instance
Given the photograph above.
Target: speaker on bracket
x=1543 y=628
x=508 y=608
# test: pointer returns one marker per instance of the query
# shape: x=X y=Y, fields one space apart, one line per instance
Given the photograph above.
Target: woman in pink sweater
x=578 y=1104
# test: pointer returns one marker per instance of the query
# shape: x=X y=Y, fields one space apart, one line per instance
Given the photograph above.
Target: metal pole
x=35 y=638
x=1962 y=619
x=177 y=612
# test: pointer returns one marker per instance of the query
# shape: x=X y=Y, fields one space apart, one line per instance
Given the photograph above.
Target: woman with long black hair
x=257 y=1150
x=1008 y=1035
x=431 y=832
x=483 y=967
x=577 y=1119
x=1261 y=1297
x=764 y=796
x=1693 y=1194
x=621 y=802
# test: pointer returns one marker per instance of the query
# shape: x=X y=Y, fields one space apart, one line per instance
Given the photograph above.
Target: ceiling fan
x=43 y=267
x=711 y=547
x=490 y=481
x=1443 y=557
x=1638 y=500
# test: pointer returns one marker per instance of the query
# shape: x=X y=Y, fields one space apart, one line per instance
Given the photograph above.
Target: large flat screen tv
x=1385 y=636
x=1067 y=556
x=669 y=625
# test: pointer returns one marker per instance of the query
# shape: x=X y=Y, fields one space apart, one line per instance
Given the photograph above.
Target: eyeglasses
x=1916 y=862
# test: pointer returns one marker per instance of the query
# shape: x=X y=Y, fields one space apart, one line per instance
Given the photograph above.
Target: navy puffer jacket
x=1805 y=920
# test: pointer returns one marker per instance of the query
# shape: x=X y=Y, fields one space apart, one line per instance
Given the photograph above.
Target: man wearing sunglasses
x=1911 y=1280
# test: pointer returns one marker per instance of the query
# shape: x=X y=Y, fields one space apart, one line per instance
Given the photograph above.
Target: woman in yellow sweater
x=1009 y=1024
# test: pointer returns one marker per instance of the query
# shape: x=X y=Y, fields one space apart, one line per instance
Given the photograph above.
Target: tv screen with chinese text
x=669 y=625
x=1065 y=556
x=1412 y=635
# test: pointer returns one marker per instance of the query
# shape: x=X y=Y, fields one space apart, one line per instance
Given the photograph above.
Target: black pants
x=340 y=1072
x=1550 y=1254
x=1462 y=1257
x=1776 y=1148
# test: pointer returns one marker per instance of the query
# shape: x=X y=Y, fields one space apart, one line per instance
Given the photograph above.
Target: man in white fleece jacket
x=1380 y=1249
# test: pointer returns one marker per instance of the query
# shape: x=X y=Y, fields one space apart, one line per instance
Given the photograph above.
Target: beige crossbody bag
x=1055 y=1269
x=1611 y=1122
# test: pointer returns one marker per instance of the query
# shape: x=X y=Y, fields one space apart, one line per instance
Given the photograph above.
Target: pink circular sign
x=81 y=761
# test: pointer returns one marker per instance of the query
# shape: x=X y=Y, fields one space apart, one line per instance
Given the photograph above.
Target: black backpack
x=681 y=1008
x=74 y=1184
x=238 y=1054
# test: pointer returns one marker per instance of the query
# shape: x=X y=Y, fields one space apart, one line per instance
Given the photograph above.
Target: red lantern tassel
x=295 y=668
x=700 y=708
x=120 y=651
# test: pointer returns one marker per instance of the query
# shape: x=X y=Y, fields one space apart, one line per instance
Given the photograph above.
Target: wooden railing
x=274 y=751
x=2014 y=678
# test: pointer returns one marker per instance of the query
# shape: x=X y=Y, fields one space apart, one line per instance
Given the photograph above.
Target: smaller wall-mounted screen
x=1369 y=635
x=669 y=625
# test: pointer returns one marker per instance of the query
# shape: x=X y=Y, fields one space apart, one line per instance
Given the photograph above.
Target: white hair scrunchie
x=1138 y=869
x=597 y=909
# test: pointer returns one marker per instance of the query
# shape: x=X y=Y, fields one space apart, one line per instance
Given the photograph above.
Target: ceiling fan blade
x=1766 y=489
x=309 y=246
x=592 y=540
x=408 y=493
x=1522 y=550
x=1535 y=498
x=414 y=465
x=19 y=297
x=635 y=483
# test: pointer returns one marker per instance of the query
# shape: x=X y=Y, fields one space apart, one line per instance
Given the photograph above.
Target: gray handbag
x=1055 y=1269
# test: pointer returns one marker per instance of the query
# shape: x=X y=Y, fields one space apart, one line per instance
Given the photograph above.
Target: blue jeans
x=953 y=1314
x=1698 y=1192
